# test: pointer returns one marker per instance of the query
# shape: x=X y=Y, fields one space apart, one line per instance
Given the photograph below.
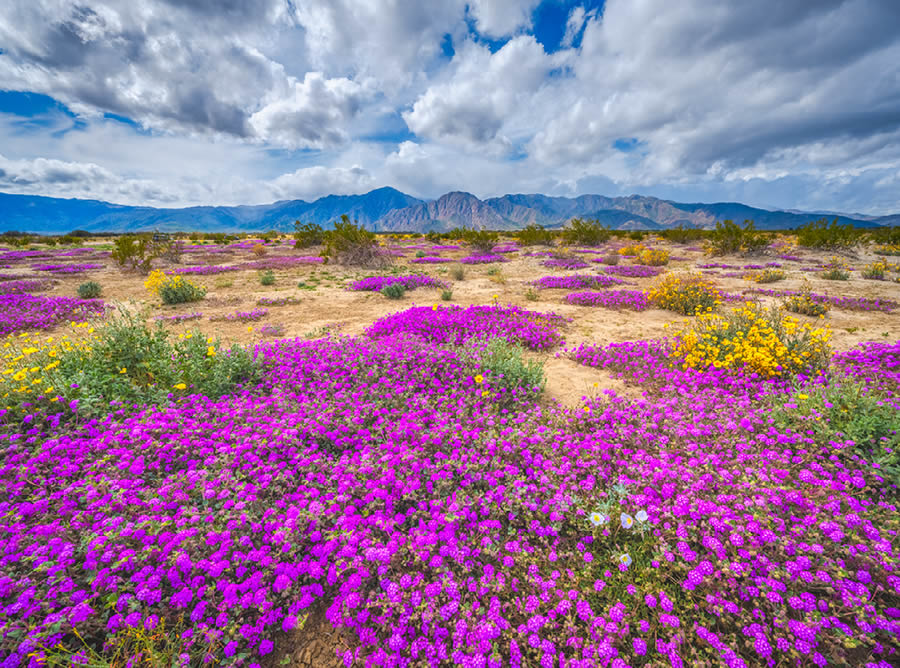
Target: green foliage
x=505 y=368
x=770 y=276
x=531 y=295
x=353 y=245
x=481 y=240
x=267 y=277
x=836 y=274
x=90 y=290
x=888 y=235
x=827 y=236
x=176 y=291
x=534 y=235
x=447 y=295
x=494 y=271
x=804 y=304
x=874 y=271
x=394 y=291
x=153 y=366
x=730 y=238
x=847 y=410
x=307 y=235
x=580 y=232
x=637 y=235
x=420 y=253
x=683 y=235
x=136 y=252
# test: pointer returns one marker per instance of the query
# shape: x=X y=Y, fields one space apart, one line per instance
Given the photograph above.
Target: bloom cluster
x=26 y=285
x=242 y=316
x=632 y=271
x=20 y=312
x=848 y=303
x=410 y=282
x=576 y=281
x=565 y=263
x=277 y=301
x=430 y=259
x=179 y=317
x=482 y=259
x=67 y=268
x=634 y=300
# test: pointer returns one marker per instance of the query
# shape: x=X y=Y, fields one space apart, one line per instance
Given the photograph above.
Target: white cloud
x=499 y=18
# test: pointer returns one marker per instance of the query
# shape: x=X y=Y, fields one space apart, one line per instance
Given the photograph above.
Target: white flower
x=625 y=559
x=627 y=521
x=641 y=516
x=597 y=518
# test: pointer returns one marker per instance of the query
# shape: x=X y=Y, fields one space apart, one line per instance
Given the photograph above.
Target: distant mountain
x=389 y=210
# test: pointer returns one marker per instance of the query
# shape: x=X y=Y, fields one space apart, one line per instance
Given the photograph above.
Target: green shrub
x=494 y=271
x=308 y=235
x=136 y=252
x=580 y=232
x=683 y=235
x=827 y=236
x=447 y=295
x=90 y=290
x=875 y=271
x=177 y=290
x=637 y=235
x=534 y=235
x=846 y=410
x=730 y=238
x=770 y=276
x=531 y=295
x=888 y=235
x=130 y=362
x=267 y=278
x=420 y=253
x=394 y=291
x=836 y=274
x=481 y=240
x=353 y=245
x=804 y=304
x=504 y=368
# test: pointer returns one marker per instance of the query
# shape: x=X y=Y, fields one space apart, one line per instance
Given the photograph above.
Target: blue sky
x=172 y=103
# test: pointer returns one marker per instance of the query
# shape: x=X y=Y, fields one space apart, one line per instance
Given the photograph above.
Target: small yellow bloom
x=210 y=351
x=479 y=379
x=803 y=396
x=180 y=386
x=123 y=370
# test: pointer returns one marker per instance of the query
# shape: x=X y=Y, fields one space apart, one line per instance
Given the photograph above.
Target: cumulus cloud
x=313 y=182
x=498 y=18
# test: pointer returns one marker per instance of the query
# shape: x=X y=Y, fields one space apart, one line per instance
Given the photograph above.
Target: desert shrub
x=259 y=250
x=636 y=235
x=836 y=274
x=353 y=245
x=683 y=235
x=174 y=289
x=769 y=276
x=267 y=277
x=754 y=339
x=136 y=252
x=804 y=304
x=582 y=232
x=531 y=295
x=503 y=367
x=889 y=235
x=653 y=258
x=826 y=236
x=447 y=295
x=684 y=293
x=892 y=250
x=611 y=259
x=534 y=235
x=90 y=290
x=458 y=273
x=846 y=410
x=394 y=290
x=875 y=271
x=420 y=253
x=481 y=240
x=730 y=238
x=127 y=361
x=307 y=235
x=631 y=250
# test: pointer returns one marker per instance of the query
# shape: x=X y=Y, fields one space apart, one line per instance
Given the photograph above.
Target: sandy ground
x=330 y=306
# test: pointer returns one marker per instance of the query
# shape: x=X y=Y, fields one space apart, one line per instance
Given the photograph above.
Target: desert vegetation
x=570 y=447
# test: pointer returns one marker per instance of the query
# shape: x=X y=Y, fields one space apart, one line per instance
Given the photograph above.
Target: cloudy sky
x=776 y=103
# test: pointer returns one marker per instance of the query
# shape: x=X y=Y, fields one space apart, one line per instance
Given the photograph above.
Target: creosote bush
x=580 y=232
x=136 y=252
x=534 y=235
x=353 y=245
x=307 y=235
x=684 y=293
x=730 y=238
x=90 y=290
x=481 y=240
x=823 y=235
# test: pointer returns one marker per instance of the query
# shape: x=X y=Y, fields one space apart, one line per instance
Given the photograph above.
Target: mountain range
x=389 y=210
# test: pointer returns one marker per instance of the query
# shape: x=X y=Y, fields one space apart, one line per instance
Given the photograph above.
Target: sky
x=774 y=103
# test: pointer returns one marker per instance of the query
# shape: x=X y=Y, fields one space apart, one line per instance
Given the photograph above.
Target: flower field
x=376 y=482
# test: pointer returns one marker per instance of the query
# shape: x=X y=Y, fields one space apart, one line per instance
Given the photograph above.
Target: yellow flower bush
x=633 y=249
x=755 y=339
x=653 y=257
x=173 y=289
x=686 y=293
